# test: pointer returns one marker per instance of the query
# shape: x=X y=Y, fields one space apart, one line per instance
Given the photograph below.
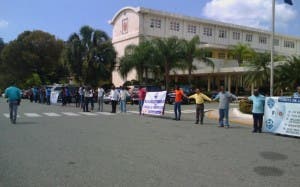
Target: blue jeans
x=177 y=110
x=223 y=113
x=13 y=110
x=123 y=105
x=141 y=103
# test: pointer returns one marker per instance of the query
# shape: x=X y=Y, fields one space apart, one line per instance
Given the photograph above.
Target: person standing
x=100 y=99
x=178 y=100
x=199 y=100
x=86 y=94
x=142 y=94
x=48 y=94
x=257 y=110
x=114 y=97
x=91 y=98
x=81 y=96
x=224 y=101
x=123 y=97
x=13 y=94
x=297 y=94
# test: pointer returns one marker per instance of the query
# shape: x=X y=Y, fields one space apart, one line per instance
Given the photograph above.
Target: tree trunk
x=190 y=76
x=167 y=76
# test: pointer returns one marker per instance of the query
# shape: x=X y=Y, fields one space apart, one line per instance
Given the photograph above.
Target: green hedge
x=245 y=106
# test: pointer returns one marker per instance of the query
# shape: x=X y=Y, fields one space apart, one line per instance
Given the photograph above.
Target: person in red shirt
x=142 y=95
x=178 y=99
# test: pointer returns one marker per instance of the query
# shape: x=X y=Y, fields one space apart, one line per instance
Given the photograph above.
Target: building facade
x=131 y=24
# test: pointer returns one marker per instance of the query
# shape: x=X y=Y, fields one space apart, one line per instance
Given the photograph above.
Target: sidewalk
x=235 y=116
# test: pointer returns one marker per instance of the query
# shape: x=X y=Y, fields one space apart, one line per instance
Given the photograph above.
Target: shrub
x=245 y=106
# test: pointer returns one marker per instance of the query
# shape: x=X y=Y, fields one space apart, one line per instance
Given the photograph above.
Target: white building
x=131 y=24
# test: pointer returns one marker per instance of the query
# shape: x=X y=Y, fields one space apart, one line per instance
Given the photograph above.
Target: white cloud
x=253 y=13
x=3 y=23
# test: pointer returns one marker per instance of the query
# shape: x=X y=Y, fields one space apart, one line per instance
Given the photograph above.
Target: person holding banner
x=297 y=94
x=178 y=99
x=257 y=110
x=199 y=99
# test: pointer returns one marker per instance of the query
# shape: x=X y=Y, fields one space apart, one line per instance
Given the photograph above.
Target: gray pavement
x=132 y=150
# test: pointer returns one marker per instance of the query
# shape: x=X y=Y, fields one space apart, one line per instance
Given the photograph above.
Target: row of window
x=208 y=31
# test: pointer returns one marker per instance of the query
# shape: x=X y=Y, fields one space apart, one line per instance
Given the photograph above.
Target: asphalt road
x=58 y=146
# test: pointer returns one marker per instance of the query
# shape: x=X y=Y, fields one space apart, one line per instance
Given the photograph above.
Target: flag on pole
x=288 y=2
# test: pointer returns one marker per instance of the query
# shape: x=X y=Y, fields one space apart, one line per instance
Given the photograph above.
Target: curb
x=235 y=116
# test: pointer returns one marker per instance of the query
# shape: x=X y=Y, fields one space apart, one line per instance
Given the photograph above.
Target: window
x=222 y=34
x=174 y=26
x=276 y=42
x=249 y=37
x=236 y=35
x=221 y=55
x=125 y=26
x=192 y=29
x=289 y=44
x=155 y=23
x=207 y=31
x=262 y=40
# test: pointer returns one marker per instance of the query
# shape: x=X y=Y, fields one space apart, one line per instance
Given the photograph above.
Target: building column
x=208 y=83
x=229 y=83
x=252 y=88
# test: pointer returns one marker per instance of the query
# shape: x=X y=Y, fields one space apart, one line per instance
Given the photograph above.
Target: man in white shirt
x=100 y=99
x=114 y=97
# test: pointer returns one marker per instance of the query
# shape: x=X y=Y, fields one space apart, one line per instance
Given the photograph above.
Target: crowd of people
x=86 y=95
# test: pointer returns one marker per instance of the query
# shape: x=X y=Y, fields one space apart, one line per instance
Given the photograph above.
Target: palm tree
x=170 y=52
x=191 y=52
x=142 y=57
x=241 y=52
x=259 y=69
x=287 y=74
x=91 y=55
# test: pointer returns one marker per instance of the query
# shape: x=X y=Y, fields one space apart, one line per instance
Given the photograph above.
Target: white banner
x=54 y=97
x=282 y=115
x=154 y=103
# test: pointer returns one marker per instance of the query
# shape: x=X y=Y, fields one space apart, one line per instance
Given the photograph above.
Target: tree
x=33 y=52
x=241 y=52
x=142 y=57
x=91 y=56
x=259 y=69
x=287 y=74
x=192 y=52
x=170 y=52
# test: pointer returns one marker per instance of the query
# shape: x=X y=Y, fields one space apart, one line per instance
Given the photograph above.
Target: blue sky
x=64 y=17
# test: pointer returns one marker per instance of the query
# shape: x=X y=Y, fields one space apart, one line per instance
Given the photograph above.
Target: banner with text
x=282 y=115
x=154 y=103
x=54 y=97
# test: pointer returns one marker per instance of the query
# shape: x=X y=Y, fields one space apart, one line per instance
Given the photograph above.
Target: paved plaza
x=61 y=146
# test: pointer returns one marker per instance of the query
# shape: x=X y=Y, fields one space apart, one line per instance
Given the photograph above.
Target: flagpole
x=272 y=49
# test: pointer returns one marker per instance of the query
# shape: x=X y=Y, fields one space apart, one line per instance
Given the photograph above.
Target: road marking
x=188 y=111
x=70 y=114
x=106 y=113
x=52 y=114
x=169 y=111
x=133 y=111
x=32 y=115
x=88 y=113
x=7 y=115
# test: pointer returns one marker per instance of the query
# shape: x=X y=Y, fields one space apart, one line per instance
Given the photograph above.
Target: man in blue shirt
x=257 y=110
x=48 y=95
x=14 y=97
x=224 y=101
